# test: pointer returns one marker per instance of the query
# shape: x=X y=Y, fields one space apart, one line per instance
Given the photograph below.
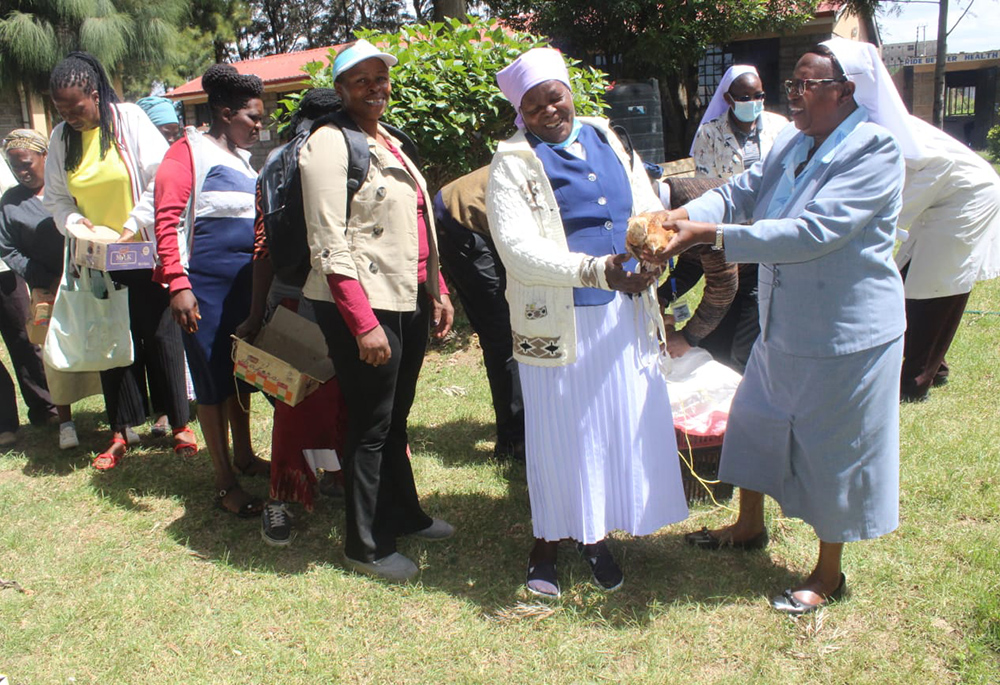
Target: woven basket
x=703 y=454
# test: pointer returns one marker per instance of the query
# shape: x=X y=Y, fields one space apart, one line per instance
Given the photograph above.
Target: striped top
x=197 y=176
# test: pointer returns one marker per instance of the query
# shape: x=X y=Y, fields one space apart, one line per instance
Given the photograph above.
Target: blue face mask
x=574 y=133
x=748 y=112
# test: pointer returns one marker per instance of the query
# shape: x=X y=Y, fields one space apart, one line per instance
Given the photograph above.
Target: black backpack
x=281 y=192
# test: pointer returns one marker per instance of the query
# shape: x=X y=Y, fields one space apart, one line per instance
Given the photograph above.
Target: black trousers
x=474 y=268
x=380 y=495
x=159 y=355
x=930 y=329
x=25 y=356
x=931 y=326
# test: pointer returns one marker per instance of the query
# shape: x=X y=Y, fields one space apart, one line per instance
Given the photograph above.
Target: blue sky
x=978 y=31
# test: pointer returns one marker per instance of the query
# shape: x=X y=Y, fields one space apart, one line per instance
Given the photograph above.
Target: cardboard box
x=288 y=359
x=97 y=249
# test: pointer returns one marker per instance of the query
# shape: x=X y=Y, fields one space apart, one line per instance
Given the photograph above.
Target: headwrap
x=718 y=105
x=26 y=139
x=159 y=110
x=357 y=53
x=875 y=91
x=527 y=71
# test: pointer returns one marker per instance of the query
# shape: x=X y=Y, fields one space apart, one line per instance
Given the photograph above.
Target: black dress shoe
x=787 y=604
x=606 y=572
x=543 y=580
x=704 y=539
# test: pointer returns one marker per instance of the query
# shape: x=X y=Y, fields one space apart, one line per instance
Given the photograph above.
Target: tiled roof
x=274 y=69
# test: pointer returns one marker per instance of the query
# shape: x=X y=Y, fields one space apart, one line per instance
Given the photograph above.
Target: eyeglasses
x=748 y=98
x=800 y=85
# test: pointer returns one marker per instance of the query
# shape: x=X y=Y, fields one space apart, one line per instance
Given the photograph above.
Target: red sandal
x=182 y=448
x=105 y=461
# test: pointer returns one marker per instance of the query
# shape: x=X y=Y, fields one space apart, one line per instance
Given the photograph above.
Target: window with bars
x=711 y=67
x=960 y=101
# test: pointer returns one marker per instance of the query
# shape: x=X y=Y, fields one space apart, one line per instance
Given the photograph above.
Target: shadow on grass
x=484 y=563
x=455 y=443
x=40 y=445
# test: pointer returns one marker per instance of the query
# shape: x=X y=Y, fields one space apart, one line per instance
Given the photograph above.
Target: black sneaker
x=606 y=572
x=276 y=525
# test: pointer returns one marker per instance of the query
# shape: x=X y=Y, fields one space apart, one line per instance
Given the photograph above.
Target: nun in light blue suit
x=815 y=423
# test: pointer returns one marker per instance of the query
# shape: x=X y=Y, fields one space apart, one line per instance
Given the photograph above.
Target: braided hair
x=315 y=103
x=226 y=87
x=82 y=70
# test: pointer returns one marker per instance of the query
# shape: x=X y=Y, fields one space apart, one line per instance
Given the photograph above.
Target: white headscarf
x=718 y=105
x=527 y=71
x=875 y=91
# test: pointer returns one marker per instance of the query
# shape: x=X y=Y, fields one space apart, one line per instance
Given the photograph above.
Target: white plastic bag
x=701 y=391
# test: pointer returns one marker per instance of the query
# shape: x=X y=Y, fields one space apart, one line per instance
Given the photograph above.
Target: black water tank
x=636 y=107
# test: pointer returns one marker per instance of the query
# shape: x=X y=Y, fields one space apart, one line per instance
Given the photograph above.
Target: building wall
x=10 y=110
x=923 y=83
x=849 y=26
x=895 y=55
x=915 y=83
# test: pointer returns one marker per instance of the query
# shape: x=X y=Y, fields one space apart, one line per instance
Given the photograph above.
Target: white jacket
x=541 y=271
x=951 y=205
x=141 y=146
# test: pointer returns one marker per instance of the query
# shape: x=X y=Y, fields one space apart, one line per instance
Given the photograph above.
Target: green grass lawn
x=132 y=576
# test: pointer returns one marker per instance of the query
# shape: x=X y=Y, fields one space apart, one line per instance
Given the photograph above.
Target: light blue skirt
x=600 y=448
x=820 y=436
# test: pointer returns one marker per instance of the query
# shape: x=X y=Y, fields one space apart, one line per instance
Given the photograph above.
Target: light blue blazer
x=828 y=285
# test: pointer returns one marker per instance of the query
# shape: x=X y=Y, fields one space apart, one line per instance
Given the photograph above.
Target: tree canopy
x=35 y=34
x=660 y=38
x=444 y=91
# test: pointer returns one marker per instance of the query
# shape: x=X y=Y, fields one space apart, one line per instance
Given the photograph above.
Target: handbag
x=89 y=328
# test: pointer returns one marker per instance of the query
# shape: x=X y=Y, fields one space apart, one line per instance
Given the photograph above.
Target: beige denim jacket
x=378 y=245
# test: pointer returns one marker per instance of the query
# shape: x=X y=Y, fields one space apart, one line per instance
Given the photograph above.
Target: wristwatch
x=718 y=237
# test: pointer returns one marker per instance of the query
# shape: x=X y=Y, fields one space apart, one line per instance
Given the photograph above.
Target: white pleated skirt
x=600 y=448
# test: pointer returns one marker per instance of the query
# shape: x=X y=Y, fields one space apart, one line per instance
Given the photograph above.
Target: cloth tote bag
x=89 y=328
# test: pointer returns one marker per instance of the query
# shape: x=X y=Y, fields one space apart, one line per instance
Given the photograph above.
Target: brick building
x=972 y=95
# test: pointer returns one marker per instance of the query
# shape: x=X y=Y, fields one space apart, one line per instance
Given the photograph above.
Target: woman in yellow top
x=100 y=169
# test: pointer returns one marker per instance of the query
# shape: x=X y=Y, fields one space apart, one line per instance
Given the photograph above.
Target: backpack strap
x=358 y=154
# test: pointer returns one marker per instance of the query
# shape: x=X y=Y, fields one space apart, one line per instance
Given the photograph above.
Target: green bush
x=444 y=92
x=993 y=143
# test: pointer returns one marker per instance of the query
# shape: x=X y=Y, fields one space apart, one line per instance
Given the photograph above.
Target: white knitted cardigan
x=541 y=271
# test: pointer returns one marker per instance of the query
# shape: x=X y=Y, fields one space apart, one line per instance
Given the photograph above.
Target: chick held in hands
x=647 y=238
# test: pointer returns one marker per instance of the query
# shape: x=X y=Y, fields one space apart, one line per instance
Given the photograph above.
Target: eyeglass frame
x=805 y=83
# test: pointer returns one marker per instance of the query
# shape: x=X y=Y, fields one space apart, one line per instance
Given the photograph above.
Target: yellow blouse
x=101 y=187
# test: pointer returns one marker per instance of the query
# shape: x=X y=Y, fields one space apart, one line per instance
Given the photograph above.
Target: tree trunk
x=449 y=8
x=939 y=64
x=674 y=121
